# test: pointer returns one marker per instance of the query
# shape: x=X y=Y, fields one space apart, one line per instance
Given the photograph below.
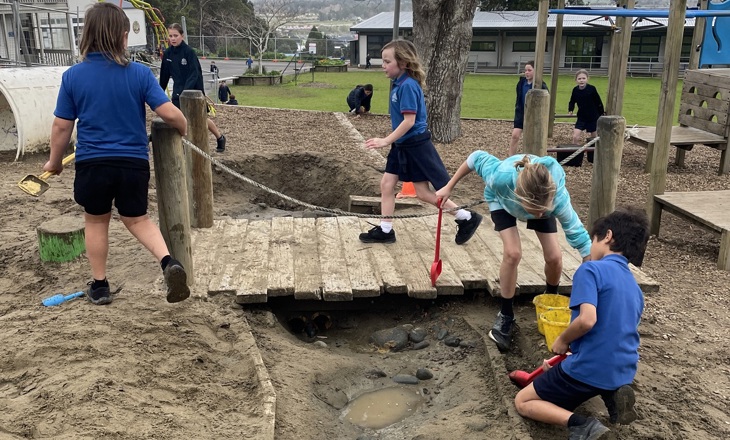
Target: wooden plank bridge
x=323 y=259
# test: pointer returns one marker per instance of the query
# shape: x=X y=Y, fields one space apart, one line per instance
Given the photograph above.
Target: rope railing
x=335 y=211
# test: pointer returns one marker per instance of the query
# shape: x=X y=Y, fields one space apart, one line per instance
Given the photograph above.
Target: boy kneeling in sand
x=603 y=337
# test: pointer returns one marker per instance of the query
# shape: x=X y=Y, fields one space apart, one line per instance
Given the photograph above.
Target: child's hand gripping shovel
x=523 y=378
x=436 y=266
x=36 y=186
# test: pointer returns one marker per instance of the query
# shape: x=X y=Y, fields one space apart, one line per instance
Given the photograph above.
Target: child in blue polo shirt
x=412 y=157
x=603 y=334
x=107 y=93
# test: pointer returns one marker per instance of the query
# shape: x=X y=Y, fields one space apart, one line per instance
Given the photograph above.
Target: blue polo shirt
x=607 y=356
x=407 y=97
x=109 y=102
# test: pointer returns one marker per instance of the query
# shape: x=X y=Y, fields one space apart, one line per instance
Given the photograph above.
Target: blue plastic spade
x=60 y=298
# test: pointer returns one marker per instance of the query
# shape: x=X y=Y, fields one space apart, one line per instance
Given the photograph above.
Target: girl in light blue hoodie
x=526 y=188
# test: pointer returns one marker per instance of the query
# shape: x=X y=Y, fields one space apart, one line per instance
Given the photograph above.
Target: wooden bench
x=704 y=118
x=707 y=209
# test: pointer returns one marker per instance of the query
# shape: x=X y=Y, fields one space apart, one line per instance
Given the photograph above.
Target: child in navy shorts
x=107 y=94
x=603 y=334
x=412 y=157
x=590 y=106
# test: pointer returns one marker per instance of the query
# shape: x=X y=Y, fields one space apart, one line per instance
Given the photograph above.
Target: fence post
x=535 y=133
x=172 y=193
x=193 y=106
x=606 y=166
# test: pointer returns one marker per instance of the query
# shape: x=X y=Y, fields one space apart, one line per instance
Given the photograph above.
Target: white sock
x=463 y=214
x=386 y=226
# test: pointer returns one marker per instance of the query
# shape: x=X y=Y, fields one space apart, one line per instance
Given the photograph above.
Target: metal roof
x=504 y=20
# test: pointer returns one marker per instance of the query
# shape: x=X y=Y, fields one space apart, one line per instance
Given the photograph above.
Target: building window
x=376 y=43
x=483 y=46
x=644 y=48
x=523 y=46
x=526 y=46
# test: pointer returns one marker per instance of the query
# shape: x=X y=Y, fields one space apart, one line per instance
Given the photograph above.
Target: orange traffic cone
x=408 y=190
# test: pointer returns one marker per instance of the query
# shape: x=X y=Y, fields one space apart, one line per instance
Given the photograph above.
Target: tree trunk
x=442 y=32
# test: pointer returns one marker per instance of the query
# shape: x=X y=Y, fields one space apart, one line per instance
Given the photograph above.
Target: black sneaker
x=221 y=144
x=501 y=332
x=376 y=235
x=620 y=405
x=592 y=429
x=99 y=296
x=467 y=228
x=177 y=282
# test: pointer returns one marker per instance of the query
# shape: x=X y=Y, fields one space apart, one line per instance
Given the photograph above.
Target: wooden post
x=555 y=67
x=541 y=41
x=200 y=186
x=667 y=98
x=618 y=61
x=537 y=106
x=172 y=193
x=606 y=167
x=697 y=36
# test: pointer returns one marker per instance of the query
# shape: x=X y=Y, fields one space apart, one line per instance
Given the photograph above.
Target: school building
x=504 y=41
x=46 y=32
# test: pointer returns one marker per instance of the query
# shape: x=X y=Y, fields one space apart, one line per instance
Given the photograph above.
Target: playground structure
x=704 y=111
x=155 y=18
x=321 y=258
x=704 y=117
x=26 y=118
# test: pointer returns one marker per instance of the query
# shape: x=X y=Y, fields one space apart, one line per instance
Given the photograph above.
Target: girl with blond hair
x=412 y=157
x=526 y=188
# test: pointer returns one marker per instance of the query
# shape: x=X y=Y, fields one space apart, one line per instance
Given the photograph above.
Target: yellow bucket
x=549 y=301
x=554 y=322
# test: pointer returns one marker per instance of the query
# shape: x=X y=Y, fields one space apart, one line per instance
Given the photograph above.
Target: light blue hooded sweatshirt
x=500 y=177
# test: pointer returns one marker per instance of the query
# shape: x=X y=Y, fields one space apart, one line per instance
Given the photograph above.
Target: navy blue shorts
x=124 y=181
x=519 y=123
x=556 y=387
x=588 y=126
x=504 y=220
x=416 y=160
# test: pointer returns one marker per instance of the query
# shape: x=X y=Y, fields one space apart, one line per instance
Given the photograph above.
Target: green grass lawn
x=484 y=96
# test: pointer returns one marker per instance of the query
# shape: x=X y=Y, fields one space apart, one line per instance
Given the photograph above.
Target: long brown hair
x=535 y=188
x=406 y=55
x=104 y=28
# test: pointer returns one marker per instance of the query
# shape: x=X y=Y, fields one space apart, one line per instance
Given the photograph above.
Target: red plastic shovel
x=523 y=378
x=436 y=266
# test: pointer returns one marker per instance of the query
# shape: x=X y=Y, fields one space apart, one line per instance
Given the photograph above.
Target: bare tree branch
x=269 y=16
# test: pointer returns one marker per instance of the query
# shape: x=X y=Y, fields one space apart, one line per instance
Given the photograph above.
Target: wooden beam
x=172 y=193
x=555 y=67
x=606 y=166
x=541 y=41
x=537 y=106
x=667 y=98
x=618 y=61
x=200 y=185
x=697 y=36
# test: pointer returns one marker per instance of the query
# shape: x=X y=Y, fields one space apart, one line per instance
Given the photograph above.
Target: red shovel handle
x=522 y=378
x=437 y=257
x=436 y=266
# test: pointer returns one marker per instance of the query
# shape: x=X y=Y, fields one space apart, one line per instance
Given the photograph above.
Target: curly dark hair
x=630 y=229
